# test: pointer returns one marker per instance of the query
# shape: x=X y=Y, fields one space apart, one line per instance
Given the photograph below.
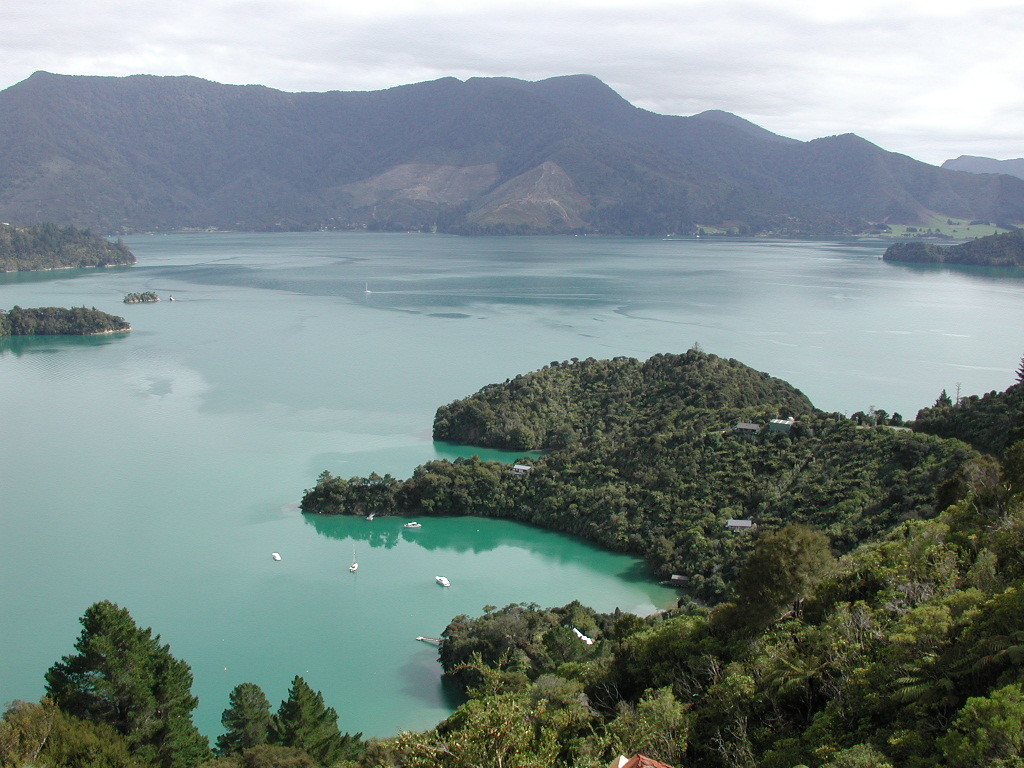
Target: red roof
x=642 y=761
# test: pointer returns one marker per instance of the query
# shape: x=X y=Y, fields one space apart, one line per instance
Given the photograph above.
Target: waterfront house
x=521 y=469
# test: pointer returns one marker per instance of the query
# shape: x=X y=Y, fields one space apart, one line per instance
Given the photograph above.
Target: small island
x=51 y=246
x=141 y=298
x=1002 y=250
x=60 y=321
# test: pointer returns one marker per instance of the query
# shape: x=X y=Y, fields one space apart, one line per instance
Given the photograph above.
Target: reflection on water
x=29 y=345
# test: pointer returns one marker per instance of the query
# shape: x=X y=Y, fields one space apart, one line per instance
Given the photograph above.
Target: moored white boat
x=275 y=555
x=413 y=524
x=442 y=581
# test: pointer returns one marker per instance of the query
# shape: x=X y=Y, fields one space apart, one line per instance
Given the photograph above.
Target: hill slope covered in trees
x=1000 y=250
x=48 y=246
x=644 y=459
x=488 y=155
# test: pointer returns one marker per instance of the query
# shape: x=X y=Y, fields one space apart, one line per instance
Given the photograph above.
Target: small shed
x=738 y=525
x=746 y=428
x=781 y=425
x=521 y=469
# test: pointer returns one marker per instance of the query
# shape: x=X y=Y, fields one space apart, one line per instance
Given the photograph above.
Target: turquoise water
x=160 y=469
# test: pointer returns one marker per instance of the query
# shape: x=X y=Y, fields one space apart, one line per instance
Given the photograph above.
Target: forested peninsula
x=1001 y=250
x=50 y=246
x=53 y=321
x=647 y=458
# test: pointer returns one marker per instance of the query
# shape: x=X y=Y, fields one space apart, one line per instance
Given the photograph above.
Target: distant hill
x=1001 y=250
x=488 y=155
x=49 y=246
x=973 y=164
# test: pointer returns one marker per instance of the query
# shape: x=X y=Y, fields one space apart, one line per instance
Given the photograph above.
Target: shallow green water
x=161 y=469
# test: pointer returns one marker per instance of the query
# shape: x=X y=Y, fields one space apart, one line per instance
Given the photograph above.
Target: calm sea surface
x=160 y=469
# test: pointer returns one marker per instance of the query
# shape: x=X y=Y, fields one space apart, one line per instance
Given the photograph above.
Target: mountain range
x=481 y=156
x=975 y=164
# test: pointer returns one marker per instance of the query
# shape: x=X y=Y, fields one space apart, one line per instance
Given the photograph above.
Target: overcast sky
x=932 y=79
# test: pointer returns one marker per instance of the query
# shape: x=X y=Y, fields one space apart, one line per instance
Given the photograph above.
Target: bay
x=160 y=469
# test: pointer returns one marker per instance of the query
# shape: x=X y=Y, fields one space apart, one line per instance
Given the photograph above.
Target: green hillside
x=1004 y=249
x=644 y=459
x=49 y=246
x=484 y=156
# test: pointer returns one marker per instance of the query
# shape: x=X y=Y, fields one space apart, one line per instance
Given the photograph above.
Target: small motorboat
x=275 y=555
x=413 y=524
x=371 y=516
x=442 y=581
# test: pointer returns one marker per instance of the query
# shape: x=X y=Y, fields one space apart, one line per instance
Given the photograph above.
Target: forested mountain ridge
x=49 y=246
x=488 y=155
x=974 y=164
x=644 y=459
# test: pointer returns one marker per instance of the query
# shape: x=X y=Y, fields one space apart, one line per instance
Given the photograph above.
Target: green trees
x=304 y=722
x=990 y=423
x=246 y=720
x=304 y=731
x=141 y=298
x=45 y=321
x=653 y=467
x=123 y=676
x=989 y=731
x=586 y=400
x=42 y=736
x=784 y=566
x=1000 y=250
x=49 y=246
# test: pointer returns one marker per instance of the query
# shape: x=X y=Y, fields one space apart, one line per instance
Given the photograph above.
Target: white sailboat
x=355 y=566
x=366 y=288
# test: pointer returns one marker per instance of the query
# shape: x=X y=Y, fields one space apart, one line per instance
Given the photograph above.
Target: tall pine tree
x=246 y=720
x=123 y=676
x=304 y=722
